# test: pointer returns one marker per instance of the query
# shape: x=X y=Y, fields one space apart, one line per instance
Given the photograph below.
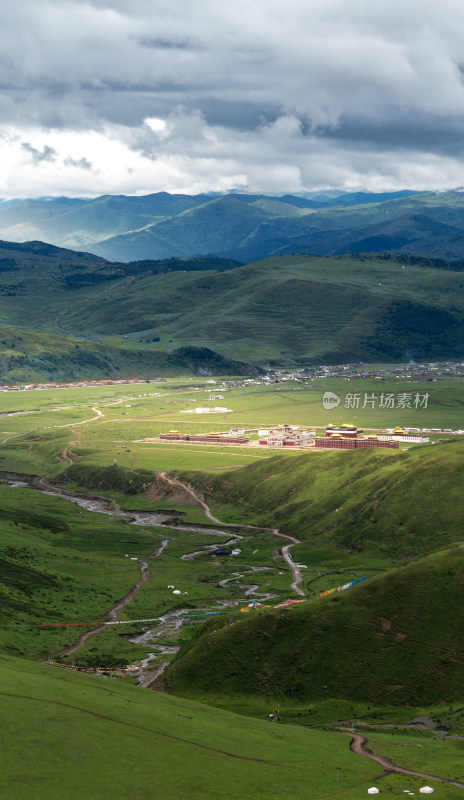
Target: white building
x=207 y=410
x=400 y=435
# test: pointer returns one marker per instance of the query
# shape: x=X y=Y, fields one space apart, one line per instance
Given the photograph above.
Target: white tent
x=373 y=790
x=426 y=790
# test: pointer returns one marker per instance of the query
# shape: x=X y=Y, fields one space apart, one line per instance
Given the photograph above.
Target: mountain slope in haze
x=229 y=226
x=224 y=224
x=247 y=227
x=76 y=223
x=407 y=230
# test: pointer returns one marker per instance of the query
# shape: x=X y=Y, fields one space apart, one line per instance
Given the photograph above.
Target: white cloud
x=148 y=95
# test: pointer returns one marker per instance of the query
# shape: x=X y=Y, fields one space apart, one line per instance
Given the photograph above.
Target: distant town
x=430 y=372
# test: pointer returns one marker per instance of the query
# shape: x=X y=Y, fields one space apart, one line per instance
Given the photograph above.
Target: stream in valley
x=164 y=626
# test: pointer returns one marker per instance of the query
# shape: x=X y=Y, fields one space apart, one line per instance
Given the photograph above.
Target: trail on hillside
x=67 y=454
x=140 y=728
x=112 y=614
x=285 y=551
x=357 y=746
x=83 y=421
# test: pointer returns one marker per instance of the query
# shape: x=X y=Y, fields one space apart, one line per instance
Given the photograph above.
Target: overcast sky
x=275 y=96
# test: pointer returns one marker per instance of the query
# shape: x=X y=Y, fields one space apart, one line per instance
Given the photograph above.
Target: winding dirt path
x=357 y=746
x=112 y=614
x=196 y=497
x=285 y=551
x=67 y=453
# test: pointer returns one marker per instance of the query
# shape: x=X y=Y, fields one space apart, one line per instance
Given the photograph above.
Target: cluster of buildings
x=203 y=438
x=14 y=387
x=401 y=435
x=341 y=437
x=337 y=437
x=350 y=437
x=431 y=371
x=287 y=436
x=338 y=442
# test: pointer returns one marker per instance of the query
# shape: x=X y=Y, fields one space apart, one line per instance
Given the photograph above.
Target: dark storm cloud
x=80 y=163
x=304 y=89
x=164 y=44
x=46 y=154
x=417 y=132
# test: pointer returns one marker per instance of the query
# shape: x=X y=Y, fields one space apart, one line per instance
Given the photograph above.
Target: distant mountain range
x=243 y=226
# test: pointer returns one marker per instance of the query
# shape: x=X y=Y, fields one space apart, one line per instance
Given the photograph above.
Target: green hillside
x=301 y=309
x=393 y=640
x=398 y=505
x=32 y=356
x=41 y=283
x=317 y=310
x=80 y=736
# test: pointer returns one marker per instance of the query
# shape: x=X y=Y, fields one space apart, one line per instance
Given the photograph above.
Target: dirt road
x=285 y=551
x=112 y=614
x=357 y=746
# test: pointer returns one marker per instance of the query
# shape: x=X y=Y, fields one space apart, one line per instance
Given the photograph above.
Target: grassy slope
x=393 y=639
x=33 y=356
x=294 y=307
x=36 y=340
x=385 y=503
x=396 y=639
x=100 y=740
x=315 y=309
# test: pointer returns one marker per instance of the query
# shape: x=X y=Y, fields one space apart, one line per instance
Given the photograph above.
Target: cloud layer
x=192 y=96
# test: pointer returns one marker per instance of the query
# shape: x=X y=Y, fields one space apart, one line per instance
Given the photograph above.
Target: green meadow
x=74 y=736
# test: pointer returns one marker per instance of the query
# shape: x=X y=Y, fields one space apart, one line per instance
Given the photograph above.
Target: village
x=427 y=372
